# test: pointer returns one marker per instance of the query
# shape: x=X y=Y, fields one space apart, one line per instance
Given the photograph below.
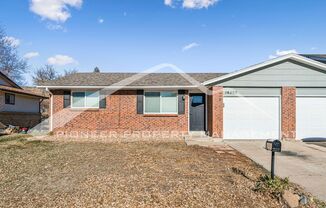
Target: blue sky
x=133 y=35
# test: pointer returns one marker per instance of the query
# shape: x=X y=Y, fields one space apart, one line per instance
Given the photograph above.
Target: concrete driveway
x=303 y=163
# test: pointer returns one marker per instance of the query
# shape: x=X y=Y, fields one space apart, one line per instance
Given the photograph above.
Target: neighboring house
x=18 y=107
x=45 y=104
x=281 y=98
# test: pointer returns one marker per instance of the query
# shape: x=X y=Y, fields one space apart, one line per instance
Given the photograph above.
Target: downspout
x=51 y=109
x=39 y=105
x=39 y=108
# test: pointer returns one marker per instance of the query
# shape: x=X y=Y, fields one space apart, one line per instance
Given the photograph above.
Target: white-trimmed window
x=161 y=102
x=85 y=99
x=9 y=99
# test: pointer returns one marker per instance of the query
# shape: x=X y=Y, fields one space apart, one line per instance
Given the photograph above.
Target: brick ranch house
x=18 y=106
x=282 y=98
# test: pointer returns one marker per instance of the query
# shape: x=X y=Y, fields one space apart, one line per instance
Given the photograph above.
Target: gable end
x=285 y=73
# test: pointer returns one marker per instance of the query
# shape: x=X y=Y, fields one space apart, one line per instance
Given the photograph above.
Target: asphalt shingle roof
x=22 y=91
x=317 y=57
x=107 y=79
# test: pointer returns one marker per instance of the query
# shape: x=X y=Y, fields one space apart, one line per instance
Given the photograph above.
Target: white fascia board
x=119 y=87
x=291 y=56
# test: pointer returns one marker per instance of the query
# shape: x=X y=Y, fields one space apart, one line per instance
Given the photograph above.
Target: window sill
x=84 y=109
x=161 y=115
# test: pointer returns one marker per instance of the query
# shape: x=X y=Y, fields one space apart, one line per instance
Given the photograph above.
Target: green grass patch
x=275 y=187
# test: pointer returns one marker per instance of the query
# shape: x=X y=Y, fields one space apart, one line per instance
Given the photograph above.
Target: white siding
x=24 y=104
x=231 y=92
x=2 y=100
x=283 y=74
x=311 y=91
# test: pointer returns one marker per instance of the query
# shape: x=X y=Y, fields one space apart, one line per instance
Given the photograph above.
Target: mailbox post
x=273 y=165
x=273 y=145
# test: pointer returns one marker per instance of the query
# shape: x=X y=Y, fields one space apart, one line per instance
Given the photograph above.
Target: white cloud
x=168 y=2
x=30 y=55
x=56 y=10
x=100 y=20
x=51 y=26
x=192 y=4
x=14 y=42
x=282 y=53
x=190 y=46
x=198 y=4
x=61 y=60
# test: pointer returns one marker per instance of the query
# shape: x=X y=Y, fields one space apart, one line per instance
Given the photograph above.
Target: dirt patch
x=136 y=174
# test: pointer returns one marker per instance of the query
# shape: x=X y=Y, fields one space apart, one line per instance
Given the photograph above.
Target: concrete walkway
x=203 y=141
x=304 y=164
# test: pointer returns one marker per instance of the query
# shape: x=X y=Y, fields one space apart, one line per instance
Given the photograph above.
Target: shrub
x=275 y=187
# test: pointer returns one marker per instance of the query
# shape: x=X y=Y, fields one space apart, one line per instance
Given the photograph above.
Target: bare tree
x=68 y=72
x=44 y=73
x=10 y=63
x=48 y=72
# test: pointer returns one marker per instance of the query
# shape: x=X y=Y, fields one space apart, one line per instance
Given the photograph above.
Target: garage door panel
x=251 y=117
x=311 y=117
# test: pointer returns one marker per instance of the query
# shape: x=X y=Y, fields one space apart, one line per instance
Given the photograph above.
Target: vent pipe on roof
x=96 y=70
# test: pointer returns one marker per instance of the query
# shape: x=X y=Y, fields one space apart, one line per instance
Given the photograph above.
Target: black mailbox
x=273 y=145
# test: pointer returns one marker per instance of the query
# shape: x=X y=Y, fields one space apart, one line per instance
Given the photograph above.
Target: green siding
x=283 y=74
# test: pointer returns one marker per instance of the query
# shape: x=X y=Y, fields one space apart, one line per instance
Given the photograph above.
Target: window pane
x=169 y=102
x=7 y=99
x=152 y=102
x=12 y=99
x=92 y=99
x=78 y=99
x=197 y=100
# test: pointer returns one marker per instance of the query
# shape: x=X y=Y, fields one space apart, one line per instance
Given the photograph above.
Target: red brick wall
x=120 y=115
x=288 y=113
x=215 y=112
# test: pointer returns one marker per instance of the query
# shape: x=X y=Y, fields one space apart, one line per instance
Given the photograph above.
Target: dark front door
x=197 y=112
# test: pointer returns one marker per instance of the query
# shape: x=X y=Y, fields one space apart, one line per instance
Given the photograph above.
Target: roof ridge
x=151 y=79
x=313 y=54
x=150 y=73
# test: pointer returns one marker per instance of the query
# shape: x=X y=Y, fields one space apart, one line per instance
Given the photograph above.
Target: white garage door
x=311 y=117
x=251 y=117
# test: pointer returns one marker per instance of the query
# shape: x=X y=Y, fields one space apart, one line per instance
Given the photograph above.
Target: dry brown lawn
x=135 y=174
